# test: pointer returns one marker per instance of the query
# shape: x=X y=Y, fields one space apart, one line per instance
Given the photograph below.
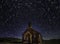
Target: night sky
x=44 y=15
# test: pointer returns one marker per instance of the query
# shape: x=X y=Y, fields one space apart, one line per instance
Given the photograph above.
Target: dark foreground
x=19 y=41
x=10 y=43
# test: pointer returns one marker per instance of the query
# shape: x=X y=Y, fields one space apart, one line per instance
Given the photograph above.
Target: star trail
x=44 y=15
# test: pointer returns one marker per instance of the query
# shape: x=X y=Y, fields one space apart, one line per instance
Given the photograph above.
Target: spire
x=29 y=25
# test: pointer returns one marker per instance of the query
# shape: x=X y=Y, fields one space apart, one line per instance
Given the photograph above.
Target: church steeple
x=29 y=25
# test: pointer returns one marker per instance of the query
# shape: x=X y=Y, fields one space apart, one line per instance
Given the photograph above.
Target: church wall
x=25 y=35
x=40 y=39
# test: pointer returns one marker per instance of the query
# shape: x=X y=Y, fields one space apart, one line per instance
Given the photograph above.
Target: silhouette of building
x=30 y=36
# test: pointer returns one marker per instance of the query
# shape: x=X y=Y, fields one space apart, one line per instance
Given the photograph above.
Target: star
x=1 y=17
x=52 y=2
x=49 y=0
x=38 y=1
x=0 y=6
x=14 y=15
x=3 y=24
x=57 y=7
x=10 y=9
x=10 y=17
x=48 y=9
x=54 y=17
x=50 y=20
x=15 y=0
x=30 y=3
x=6 y=20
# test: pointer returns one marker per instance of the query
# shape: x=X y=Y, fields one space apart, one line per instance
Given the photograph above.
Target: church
x=30 y=36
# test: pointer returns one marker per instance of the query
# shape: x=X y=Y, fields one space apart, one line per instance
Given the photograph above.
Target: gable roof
x=32 y=31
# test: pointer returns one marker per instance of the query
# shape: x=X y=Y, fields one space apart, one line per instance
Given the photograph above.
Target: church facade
x=30 y=36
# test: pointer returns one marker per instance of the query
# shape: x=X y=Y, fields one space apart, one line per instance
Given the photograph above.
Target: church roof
x=31 y=30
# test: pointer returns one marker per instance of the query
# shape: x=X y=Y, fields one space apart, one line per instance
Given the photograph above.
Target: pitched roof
x=32 y=31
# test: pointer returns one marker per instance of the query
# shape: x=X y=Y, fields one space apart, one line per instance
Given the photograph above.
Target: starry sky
x=44 y=15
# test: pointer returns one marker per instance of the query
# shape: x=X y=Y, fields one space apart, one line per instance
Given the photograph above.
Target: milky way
x=44 y=14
